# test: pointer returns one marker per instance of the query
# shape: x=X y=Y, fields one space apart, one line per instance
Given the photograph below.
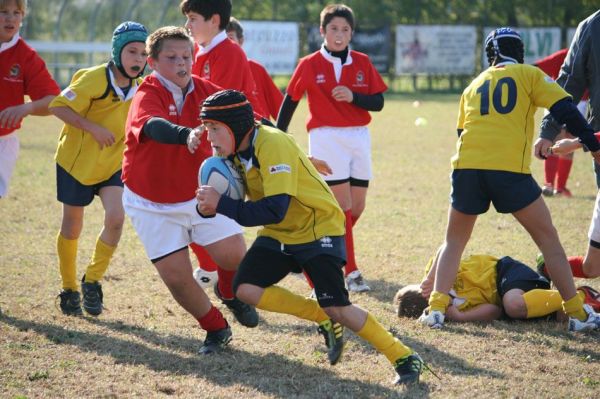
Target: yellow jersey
x=475 y=282
x=496 y=115
x=279 y=166
x=92 y=95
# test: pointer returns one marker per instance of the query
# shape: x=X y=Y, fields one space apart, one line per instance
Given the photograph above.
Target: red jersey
x=268 y=94
x=226 y=65
x=23 y=72
x=316 y=75
x=551 y=66
x=164 y=173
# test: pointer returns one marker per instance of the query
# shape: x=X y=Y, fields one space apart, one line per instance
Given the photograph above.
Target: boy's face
x=11 y=18
x=337 y=34
x=133 y=57
x=202 y=30
x=220 y=138
x=174 y=62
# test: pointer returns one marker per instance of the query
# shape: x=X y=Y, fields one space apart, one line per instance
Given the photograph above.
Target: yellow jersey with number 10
x=497 y=114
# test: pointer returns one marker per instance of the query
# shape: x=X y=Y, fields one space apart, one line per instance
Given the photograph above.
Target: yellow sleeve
x=85 y=86
x=545 y=92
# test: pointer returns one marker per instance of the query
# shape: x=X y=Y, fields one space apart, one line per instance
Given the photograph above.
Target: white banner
x=435 y=49
x=274 y=44
x=538 y=42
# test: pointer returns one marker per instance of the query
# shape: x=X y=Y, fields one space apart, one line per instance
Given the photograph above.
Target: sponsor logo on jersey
x=281 y=168
x=206 y=70
x=320 y=78
x=326 y=242
x=172 y=109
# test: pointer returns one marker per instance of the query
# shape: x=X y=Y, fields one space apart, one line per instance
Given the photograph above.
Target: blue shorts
x=513 y=274
x=71 y=192
x=474 y=189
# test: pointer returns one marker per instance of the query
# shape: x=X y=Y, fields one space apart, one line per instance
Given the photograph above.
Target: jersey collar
x=117 y=89
x=221 y=36
x=9 y=44
x=175 y=90
x=337 y=63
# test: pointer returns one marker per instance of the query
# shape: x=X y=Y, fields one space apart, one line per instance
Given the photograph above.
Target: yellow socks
x=67 y=261
x=99 y=262
x=574 y=308
x=279 y=300
x=438 y=301
x=376 y=334
x=542 y=302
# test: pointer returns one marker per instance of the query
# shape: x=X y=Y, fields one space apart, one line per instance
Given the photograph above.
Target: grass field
x=144 y=344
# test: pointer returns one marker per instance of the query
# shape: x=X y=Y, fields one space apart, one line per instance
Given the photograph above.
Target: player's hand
x=103 y=136
x=565 y=146
x=11 y=117
x=208 y=199
x=195 y=138
x=342 y=93
x=541 y=148
x=321 y=166
x=426 y=288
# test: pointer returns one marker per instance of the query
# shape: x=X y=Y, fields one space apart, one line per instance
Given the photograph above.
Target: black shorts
x=71 y=192
x=268 y=261
x=474 y=189
x=513 y=274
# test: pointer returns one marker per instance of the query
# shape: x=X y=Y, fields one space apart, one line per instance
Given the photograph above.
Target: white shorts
x=9 y=152
x=347 y=150
x=165 y=228
x=594 y=233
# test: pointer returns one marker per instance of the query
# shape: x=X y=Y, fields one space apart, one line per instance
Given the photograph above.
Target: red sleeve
x=38 y=81
x=268 y=92
x=148 y=102
x=297 y=85
x=377 y=84
x=552 y=63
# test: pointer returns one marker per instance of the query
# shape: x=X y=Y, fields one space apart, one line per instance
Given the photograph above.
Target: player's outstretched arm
x=483 y=312
x=10 y=117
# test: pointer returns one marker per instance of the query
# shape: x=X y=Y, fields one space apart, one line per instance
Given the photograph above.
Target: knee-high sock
x=576 y=263
x=350 y=259
x=439 y=301
x=550 y=168
x=562 y=174
x=99 y=262
x=376 y=334
x=225 y=283
x=213 y=320
x=204 y=260
x=574 y=307
x=542 y=302
x=67 y=261
x=279 y=300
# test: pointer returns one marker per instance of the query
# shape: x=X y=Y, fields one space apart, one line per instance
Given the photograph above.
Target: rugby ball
x=222 y=175
x=205 y=279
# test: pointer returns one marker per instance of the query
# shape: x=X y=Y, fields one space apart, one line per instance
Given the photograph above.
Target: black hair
x=208 y=8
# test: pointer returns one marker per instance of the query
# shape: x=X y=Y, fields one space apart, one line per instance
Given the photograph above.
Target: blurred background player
x=558 y=167
x=22 y=73
x=89 y=158
x=303 y=229
x=580 y=73
x=222 y=62
x=160 y=177
x=492 y=166
x=268 y=94
x=342 y=86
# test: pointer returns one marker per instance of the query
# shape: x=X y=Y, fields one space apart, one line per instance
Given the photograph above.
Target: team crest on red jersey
x=14 y=71
x=206 y=70
x=360 y=79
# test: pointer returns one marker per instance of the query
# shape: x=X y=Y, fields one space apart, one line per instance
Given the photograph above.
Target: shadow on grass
x=381 y=290
x=268 y=373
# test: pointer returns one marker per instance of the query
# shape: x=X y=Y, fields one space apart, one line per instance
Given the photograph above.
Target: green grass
x=145 y=345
